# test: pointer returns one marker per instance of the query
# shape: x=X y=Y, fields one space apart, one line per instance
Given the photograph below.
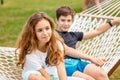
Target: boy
x=64 y=19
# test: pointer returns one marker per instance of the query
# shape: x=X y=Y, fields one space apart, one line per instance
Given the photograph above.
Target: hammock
x=106 y=45
x=8 y=69
x=92 y=3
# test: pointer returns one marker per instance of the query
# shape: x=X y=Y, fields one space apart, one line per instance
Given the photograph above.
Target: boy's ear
x=56 y=21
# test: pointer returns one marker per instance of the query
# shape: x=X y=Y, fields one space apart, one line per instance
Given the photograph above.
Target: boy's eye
x=69 y=20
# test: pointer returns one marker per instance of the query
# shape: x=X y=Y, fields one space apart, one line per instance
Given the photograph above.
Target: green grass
x=14 y=13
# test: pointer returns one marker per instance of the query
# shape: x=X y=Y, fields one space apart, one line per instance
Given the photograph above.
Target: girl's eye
x=47 y=28
x=39 y=30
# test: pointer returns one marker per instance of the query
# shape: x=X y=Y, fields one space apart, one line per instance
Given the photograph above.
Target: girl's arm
x=45 y=74
x=60 y=67
x=61 y=71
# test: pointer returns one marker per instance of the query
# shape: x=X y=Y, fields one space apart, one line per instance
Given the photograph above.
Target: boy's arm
x=101 y=29
x=74 y=53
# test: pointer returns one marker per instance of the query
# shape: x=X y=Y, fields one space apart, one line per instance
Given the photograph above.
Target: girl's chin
x=46 y=40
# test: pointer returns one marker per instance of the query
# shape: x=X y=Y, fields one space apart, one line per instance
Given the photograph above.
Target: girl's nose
x=44 y=32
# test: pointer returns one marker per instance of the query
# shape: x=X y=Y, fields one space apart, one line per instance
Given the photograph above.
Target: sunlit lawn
x=14 y=13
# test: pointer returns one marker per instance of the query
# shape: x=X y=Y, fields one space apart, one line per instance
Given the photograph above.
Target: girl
x=41 y=50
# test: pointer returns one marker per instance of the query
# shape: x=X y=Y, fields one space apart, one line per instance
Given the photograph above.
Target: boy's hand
x=116 y=20
x=98 y=61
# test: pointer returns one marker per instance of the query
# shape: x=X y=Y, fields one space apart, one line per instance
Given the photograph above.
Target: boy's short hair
x=64 y=11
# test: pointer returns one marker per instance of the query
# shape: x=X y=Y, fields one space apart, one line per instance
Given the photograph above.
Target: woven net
x=106 y=45
x=8 y=68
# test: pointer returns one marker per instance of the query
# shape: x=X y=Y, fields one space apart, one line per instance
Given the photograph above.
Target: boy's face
x=64 y=23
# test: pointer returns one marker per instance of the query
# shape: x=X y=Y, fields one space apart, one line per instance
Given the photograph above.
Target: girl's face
x=43 y=31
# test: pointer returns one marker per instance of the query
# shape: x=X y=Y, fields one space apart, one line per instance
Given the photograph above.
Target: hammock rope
x=107 y=7
x=8 y=69
x=106 y=45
